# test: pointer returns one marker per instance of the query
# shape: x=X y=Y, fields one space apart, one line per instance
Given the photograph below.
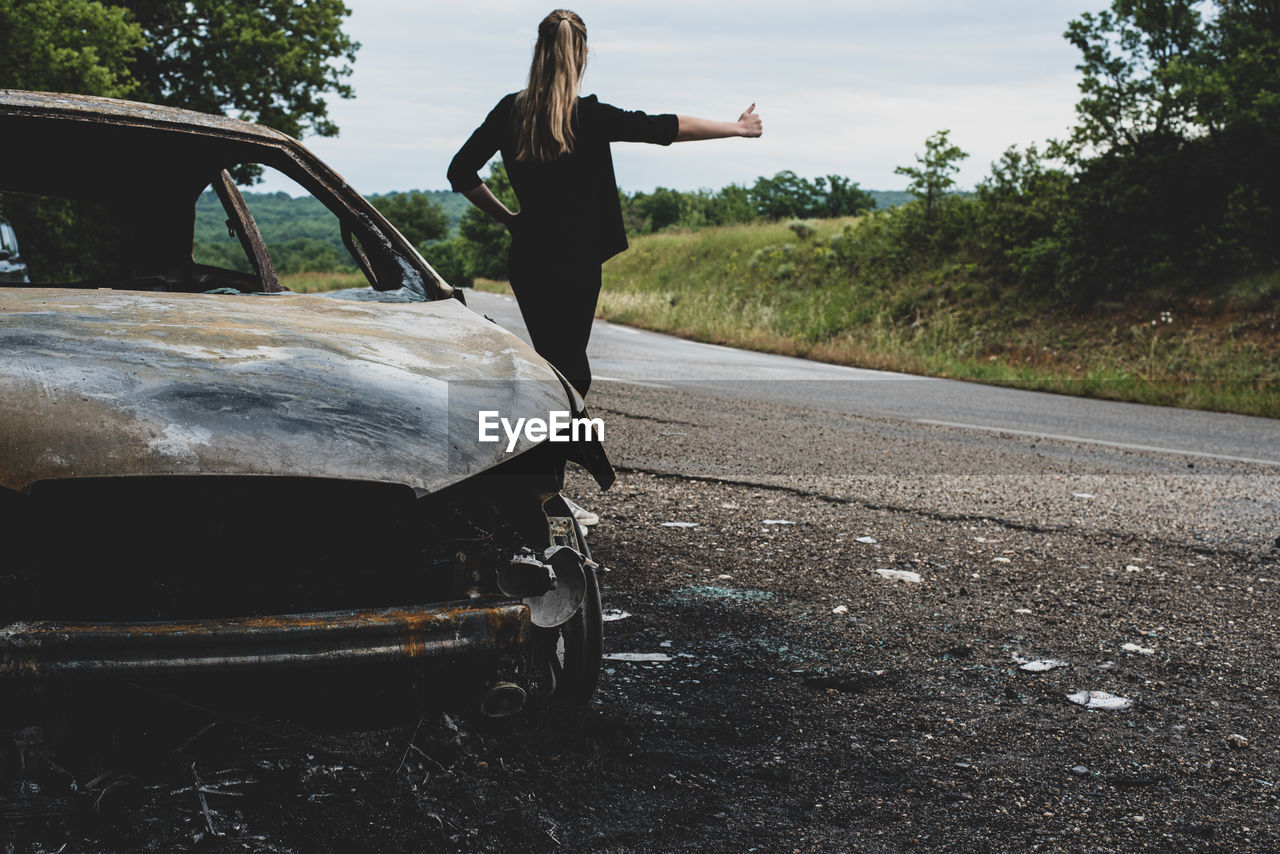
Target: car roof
x=90 y=108
x=80 y=146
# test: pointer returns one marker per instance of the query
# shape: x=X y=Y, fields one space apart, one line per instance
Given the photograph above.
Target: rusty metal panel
x=447 y=631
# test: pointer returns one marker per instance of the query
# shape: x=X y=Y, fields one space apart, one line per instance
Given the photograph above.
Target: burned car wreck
x=201 y=471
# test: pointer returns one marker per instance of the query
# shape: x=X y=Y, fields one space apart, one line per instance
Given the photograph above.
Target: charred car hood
x=101 y=383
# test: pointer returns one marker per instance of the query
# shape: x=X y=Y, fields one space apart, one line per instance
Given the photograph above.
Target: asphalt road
x=620 y=353
x=683 y=407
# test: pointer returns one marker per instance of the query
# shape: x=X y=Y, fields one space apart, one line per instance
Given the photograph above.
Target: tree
x=732 y=204
x=659 y=209
x=1020 y=206
x=933 y=177
x=1179 y=122
x=844 y=198
x=418 y=217
x=1133 y=57
x=267 y=61
x=784 y=195
x=788 y=195
x=78 y=46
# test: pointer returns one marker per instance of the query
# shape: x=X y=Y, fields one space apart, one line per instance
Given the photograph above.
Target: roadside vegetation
x=787 y=290
x=315 y=283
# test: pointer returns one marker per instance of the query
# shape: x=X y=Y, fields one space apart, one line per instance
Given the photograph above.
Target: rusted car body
x=202 y=471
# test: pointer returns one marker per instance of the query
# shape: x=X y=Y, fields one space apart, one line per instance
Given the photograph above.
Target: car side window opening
x=310 y=247
x=70 y=241
x=303 y=238
x=179 y=235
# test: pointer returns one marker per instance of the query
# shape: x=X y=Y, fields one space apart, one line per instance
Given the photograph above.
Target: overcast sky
x=850 y=88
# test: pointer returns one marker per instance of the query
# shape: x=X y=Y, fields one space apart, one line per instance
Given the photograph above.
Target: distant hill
x=454 y=204
x=282 y=217
x=890 y=198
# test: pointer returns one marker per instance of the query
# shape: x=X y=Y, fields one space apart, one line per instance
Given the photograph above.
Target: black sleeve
x=464 y=169
x=632 y=125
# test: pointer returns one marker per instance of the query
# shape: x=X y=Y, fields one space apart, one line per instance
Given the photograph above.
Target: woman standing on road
x=555 y=146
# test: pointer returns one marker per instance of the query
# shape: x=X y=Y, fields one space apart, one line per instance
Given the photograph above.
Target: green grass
x=741 y=286
x=314 y=283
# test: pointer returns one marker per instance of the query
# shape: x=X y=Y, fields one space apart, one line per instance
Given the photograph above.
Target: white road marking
x=1124 y=445
x=629 y=382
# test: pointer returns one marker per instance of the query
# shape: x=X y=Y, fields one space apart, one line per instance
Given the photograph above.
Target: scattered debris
x=1100 y=700
x=1039 y=665
x=1132 y=568
x=900 y=575
x=679 y=524
x=637 y=656
x=1236 y=741
x=729 y=505
x=1022 y=610
x=778 y=522
x=1001 y=560
x=612 y=614
x=840 y=609
x=1082 y=495
x=1080 y=771
x=871 y=541
x=204 y=803
x=1140 y=650
x=850 y=681
x=729 y=593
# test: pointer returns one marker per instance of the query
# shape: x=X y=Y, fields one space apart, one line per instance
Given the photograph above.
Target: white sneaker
x=583 y=515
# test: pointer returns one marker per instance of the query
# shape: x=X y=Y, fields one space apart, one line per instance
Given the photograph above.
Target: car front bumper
x=437 y=632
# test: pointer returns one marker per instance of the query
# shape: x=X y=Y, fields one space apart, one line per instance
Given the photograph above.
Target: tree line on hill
x=303 y=236
x=480 y=247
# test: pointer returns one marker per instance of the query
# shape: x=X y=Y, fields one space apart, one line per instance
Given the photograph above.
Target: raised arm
x=693 y=128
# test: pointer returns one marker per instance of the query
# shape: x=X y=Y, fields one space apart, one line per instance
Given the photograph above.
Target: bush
x=449 y=259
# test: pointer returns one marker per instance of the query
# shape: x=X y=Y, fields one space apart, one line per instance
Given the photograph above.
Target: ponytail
x=544 y=110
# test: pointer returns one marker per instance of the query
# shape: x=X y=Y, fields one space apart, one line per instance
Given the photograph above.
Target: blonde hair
x=544 y=110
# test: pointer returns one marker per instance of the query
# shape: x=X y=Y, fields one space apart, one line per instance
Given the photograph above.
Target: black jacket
x=572 y=200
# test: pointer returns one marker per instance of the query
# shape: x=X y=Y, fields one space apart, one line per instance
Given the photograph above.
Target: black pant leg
x=557 y=294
